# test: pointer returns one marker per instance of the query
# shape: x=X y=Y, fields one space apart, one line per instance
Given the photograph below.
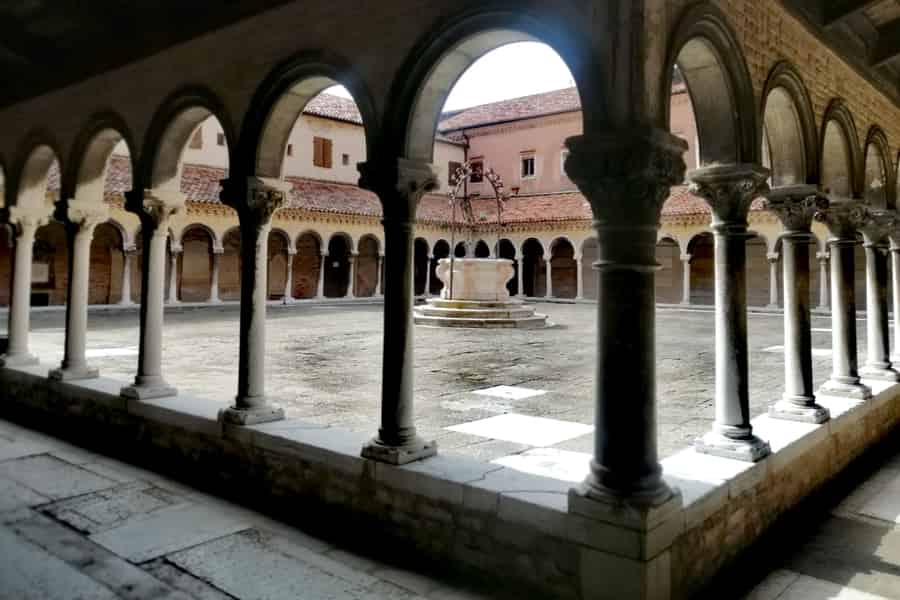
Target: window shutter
x=326 y=153
x=317 y=151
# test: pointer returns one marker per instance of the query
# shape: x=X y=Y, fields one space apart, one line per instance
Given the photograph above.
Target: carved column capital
x=844 y=219
x=175 y=248
x=729 y=190
x=399 y=185
x=87 y=215
x=28 y=219
x=218 y=249
x=879 y=226
x=795 y=206
x=159 y=205
x=686 y=258
x=822 y=256
x=130 y=250
x=626 y=174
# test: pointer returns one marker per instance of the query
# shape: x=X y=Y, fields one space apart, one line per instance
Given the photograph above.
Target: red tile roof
x=334 y=107
x=557 y=101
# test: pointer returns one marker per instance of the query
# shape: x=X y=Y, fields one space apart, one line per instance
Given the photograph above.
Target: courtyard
x=489 y=395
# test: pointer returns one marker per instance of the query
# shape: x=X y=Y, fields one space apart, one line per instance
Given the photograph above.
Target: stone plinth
x=479 y=297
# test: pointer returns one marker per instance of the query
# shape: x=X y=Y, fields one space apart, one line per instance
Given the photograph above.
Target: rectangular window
x=345 y=159
x=527 y=167
x=322 y=152
x=477 y=175
x=452 y=166
x=197 y=139
x=290 y=150
x=562 y=163
x=220 y=139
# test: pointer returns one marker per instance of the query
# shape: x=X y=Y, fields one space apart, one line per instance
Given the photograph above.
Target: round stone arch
x=839 y=154
x=30 y=178
x=307 y=264
x=367 y=265
x=88 y=164
x=230 y=265
x=444 y=53
x=198 y=243
x=563 y=268
x=279 y=102
x=669 y=276
x=482 y=249
x=709 y=57
x=337 y=265
x=534 y=256
x=421 y=264
x=878 y=182
x=279 y=247
x=662 y=235
x=107 y=263
x=789 y=128
x=589 y=253
x=701 y=249
x=170 y=130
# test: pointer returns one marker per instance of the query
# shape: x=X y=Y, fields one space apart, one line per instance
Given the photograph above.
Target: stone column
x=174 y=251
x=26 y=221
x=380 y=285
x=795 y=207
x=320 y=288
x=895 y=284
x=772 y=257
x=288 y=297
x=549 y=291
x=822 y=257
x=729 y=190
x=625 y=176
x=255 y=199
x=875 y=237
x=686 y=278
x=428 y=276
x=155 y=208
x=579 y=281
x=842 y=220
x=399 y=186
x=83 y=218
x=518 y=278
x=217 y=253
x=127 y=253
x=351 y=285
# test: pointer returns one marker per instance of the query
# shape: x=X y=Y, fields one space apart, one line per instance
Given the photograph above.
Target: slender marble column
x=823 y=280
x=83 y=218
x=729 y=190
x=895 y=286
x=843 y=219
x=686 y=278
x=288 y=297
x=320 y=288
x=351 y=285
x=519 y=293
x=174 y=251
x=428 y=276
x=26 y=222
x=875 y=236
x=795 y=207
x=772 y=257
x=261 y=198
x=217 y=253
x=127 y=253
x=579 y=282
x=625 y=176
x=399 y=186
x=380 y=275
x=549 y=291
x=155 y=209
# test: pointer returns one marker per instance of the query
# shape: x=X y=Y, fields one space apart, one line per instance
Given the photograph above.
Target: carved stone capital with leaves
x=27 y=220
x=264 y=197
x=880 y=224
x=626 y=174
x=399 y=185
x=795 y=206
x=729 y=190
x=844 y=219
x=86 y=215
x=159 y=206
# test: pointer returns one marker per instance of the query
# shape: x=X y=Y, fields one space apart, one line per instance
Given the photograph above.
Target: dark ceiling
x=45 y=44
x=865 y=32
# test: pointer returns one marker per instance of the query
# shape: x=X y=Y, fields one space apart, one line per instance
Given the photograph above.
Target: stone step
x=474 y=304
x=483 y=313
x=535 y=322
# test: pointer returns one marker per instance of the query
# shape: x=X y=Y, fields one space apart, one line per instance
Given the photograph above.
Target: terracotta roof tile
x=332 y=197
x=334 y=107
x=557 y=101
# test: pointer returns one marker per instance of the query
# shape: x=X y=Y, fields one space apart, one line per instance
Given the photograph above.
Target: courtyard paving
x=324 y=365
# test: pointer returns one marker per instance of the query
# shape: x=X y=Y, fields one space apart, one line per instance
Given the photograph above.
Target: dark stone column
x=399 y=186
x=729 y=190
x=795 y=207
x=626 y=177
x=842 y=220
x=875 y=240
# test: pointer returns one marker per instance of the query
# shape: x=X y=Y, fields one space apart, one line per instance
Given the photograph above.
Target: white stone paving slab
x=29 y=573
x=509 y=392
x=524 y=429
x=167 y=530
x=14 y=495
x=549 y=462
x=803 y=587
x=112 y=508
x=823 y=352
x=53 y=477
x=885 y=505
x=109 y=352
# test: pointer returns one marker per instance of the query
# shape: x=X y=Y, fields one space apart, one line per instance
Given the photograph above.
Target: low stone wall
x=450 y=513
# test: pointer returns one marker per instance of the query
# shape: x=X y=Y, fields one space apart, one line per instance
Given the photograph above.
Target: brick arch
x=337 y=265
x=702 y=261
x=307 y=264
x=482 y=249
x=534 y=280
x=279 y=245
x=198 y=241
x=230 y=265
x=789 y=127
x=669 y=276
x=442 y=55
x=839 y=153
x=88 y=163
x=878 y=181
x=709 y=57
x=367 y=266
x=107 y=263
x=563 y=268
x=588 y=251
x=421 y=250
x=30 y=182
x=50 y=265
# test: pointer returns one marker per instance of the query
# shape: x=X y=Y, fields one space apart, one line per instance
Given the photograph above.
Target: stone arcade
x=830 y=110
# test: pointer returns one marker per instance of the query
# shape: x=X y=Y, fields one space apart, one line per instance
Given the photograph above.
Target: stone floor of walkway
x=75 y=525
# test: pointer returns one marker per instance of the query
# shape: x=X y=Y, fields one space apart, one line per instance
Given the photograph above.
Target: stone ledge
x=481 y=517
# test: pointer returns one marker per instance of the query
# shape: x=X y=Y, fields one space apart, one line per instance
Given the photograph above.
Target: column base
x=416 y=449
x=790 y=410
x=24 y=359
x=846 y=387
x=73 y=373
x=251 y=416
x=148 y=391
x=750 y=449
x=880 y=372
